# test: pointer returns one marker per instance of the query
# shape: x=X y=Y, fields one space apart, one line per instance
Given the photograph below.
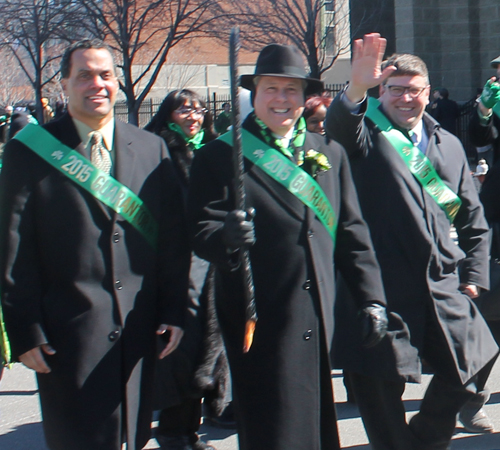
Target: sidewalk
x=21 y=429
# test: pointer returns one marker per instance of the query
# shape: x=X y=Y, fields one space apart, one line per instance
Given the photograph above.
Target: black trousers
x=383 y=412
x=181 y=420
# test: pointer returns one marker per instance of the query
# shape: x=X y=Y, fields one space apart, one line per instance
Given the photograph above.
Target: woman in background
x=315 y=113
x=198 y=368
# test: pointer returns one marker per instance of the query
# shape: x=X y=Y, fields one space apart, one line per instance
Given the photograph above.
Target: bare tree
x=142 y=33
x=34 y=31
x=14 y=86
x=320 y=29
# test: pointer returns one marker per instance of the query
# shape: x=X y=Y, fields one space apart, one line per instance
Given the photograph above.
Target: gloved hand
x=374 y=323
x=238 y=230
x=491 y=93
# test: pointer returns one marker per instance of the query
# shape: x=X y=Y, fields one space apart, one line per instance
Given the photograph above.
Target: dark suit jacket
x=483 y=135
x=282 y=387
x=80 y=277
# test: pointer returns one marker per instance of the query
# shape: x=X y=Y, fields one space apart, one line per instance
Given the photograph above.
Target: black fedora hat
x=285 y=61
x=495 y=62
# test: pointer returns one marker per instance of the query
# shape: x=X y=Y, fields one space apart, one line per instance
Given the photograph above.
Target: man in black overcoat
x=429 y=281
x=282 y=389
x=84 y=292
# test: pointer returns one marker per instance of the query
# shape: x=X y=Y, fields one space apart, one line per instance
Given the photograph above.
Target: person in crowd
x=60 y=109
x=94 y=260
x=409 y=202
x=282 y=388
x=444 y=110
x=223 y=121
x=481 y=171
x=472 y=415
x=31 y=108
x=484 y=124
x=19 y=120
x=5 y=123
x=315 y=113
x=48 y=114
x=198 y=368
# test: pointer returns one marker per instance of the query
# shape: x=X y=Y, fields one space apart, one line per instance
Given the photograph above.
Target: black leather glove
x=238 y=230
x=374 y=323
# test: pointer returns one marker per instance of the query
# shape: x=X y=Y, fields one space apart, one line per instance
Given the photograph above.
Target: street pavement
x=21 y=428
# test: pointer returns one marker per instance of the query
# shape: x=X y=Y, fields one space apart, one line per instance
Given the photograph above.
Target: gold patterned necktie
x=99 y=154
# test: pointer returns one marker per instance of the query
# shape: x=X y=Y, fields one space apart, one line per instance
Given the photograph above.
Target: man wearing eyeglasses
x=413 y=182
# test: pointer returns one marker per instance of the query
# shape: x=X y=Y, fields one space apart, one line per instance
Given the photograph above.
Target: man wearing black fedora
x=306 y=224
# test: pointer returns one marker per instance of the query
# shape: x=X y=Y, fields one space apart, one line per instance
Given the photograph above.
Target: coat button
x=307 y=335
x=310 y=233
x=113 y=336
x=307 y=285
x=116 y=237
x=118 y=285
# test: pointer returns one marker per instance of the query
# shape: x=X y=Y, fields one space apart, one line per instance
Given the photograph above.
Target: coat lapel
x=124 y=155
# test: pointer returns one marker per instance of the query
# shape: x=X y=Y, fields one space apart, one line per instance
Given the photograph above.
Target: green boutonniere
x=314 y=162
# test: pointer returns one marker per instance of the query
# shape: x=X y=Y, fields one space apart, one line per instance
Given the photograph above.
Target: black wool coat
x=282 y=388
x=78 y=276
x=198 y=367
x=422 y=267
x=482 y=135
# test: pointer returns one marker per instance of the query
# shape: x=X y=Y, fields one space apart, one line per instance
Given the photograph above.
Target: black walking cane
x=239 y=188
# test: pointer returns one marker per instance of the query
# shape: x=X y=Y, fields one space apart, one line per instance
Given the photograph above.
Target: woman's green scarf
x=194 y=142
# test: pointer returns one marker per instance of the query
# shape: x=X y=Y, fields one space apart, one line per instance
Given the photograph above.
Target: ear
x=64 y=82
x=427 y=94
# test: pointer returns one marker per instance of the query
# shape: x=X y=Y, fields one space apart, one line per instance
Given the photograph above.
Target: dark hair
x=444 y=92
x=84 y=44
x=225 y=103
x=172 y=101
x=314 y=102
x=407 y=65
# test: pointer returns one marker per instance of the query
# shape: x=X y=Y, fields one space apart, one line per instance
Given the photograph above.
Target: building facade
x=456 y=38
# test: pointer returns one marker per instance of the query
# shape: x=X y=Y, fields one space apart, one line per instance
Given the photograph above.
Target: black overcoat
x=80 y=277
x=411 y=235
x=482 y=135
x=282 y=387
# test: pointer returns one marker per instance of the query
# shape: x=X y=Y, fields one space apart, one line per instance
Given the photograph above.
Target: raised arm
x=366 y=73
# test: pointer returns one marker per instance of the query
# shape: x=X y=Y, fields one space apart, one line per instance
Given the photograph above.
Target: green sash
x=4 y=342
x=418 y=164
x=289 y=175
x=101 y=185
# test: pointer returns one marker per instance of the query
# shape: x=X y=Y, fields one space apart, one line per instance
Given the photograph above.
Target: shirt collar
x=285 y=140
x=107 y=131
x=418 y=131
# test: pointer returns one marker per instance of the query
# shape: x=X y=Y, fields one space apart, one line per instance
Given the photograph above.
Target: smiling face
x=189 y=117
x=91 y=86
x=279 y=102
x=316 y=122
x=405 y=111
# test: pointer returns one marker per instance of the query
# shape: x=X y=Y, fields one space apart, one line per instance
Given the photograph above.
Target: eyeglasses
x=399 y=91
x=186 y=112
